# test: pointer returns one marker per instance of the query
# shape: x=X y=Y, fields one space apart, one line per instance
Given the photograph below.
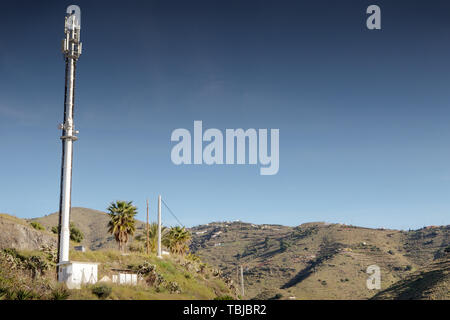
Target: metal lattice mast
x=71 y=48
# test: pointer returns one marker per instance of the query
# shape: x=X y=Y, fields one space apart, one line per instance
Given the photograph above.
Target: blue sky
x=363 y=115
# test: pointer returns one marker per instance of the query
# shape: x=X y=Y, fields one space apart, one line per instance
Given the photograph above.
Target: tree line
x=122 y=226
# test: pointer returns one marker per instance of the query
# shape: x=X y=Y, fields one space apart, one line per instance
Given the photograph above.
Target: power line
x=171 y=212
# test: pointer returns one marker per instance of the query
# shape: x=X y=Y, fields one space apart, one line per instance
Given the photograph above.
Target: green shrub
x=102 y=290
x=23 y=294
x=37 y=225
x=60 y=293
x=193 y=257
x=13 y=253
x=36 y=264
x=173 y=287
x=284 y=245
x=278 y=296
x=75 y=234
x=51 y=253
x=143 y=269
x=3 y=293
x=266 y=242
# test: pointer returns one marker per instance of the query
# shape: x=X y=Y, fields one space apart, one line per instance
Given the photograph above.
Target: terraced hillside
x=430 y=283
x=316 y=260
x=311 y=261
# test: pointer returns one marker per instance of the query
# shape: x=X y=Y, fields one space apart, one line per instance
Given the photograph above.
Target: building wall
x=75 y=274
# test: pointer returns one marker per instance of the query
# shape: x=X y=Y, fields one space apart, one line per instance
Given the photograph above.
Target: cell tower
x=71 y=48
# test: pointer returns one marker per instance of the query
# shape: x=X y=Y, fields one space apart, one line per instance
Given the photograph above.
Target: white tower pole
x=71 y=49
x=159 y=227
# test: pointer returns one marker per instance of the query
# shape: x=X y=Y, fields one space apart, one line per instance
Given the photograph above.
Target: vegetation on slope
x=316 y=260
x=31 y=275
x=311 y=261
x=430 y=283
x=93 y=224
x=18 y=233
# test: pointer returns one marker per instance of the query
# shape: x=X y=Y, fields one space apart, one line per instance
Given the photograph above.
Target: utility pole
x=71 y=48
x=237 y=274
x=159 y=227
x=148 y=240
x=242 y=281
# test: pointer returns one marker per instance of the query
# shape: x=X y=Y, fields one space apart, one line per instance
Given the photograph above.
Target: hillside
x=311 y=261
x=17 y=233
x=430 y=283
x=31 y=275
x=316 y=260
x=28 y=265
x=92 y=223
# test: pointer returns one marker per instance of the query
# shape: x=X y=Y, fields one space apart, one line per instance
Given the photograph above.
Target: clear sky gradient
x=363 y=115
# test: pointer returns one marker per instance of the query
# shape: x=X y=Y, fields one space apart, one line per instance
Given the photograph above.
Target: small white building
x=74 y=274
x=125 y=278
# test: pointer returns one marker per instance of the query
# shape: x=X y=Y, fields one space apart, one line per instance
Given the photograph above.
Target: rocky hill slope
x=17 y=233
x=430 y=283
x=311 y=261
x=317 y=260
x=92 y=223
x=28 y=262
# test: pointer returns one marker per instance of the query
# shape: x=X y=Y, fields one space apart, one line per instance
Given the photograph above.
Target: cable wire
x=171 y=212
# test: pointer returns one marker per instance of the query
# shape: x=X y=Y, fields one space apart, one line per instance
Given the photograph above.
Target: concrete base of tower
x=74 y=274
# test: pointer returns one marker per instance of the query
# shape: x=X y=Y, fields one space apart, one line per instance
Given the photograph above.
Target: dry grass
x=305 y=269
x=193 y=285
x=13 y=219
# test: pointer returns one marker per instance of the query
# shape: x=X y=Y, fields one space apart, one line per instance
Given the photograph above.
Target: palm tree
x=122 y=223
x=153 y=236
x=177 y=240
